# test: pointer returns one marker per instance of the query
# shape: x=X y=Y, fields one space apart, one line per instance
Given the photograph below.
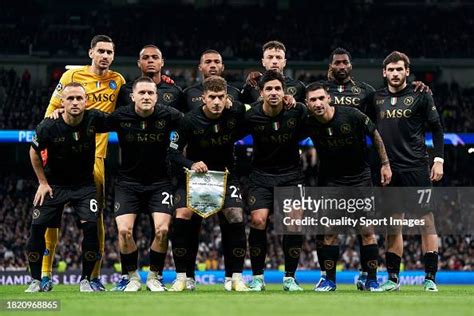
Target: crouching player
x=66 y=177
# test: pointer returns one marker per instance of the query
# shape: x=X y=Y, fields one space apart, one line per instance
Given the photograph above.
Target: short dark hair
x=214 y=84
x=270 y=75
x=339 y=51
x=394 y=57
x=74 y=84
x=315 y=86
x=209 y=51
x=101 y=38
x=149 y=46
x=274 y=45
x=142 y=79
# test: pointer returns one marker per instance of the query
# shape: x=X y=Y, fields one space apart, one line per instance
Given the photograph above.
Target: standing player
x=209 y=133
x=276 y=162
x=401 y=118
x=143 y=184
x=273 y=59
x=102 y=86
x=210 y=64
x=66 y=177
x=150 y=62
x=342 y=87
x=338 y=133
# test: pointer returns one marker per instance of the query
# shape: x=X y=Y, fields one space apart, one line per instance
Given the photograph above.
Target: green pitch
x=212 y=300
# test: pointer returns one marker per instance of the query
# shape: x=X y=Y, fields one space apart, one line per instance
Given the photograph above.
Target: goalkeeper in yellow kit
x=102 y=86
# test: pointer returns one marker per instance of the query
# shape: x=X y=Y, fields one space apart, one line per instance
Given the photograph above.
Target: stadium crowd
x=45 y=31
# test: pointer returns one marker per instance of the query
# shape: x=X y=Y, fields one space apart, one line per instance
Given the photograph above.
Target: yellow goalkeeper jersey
x=102 y=92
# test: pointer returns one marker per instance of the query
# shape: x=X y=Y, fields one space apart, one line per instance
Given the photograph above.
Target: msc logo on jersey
x=291 y=90
x=36 y=213
x=355 y=90
x=168 y=97
x=112 y=84
x=395 y=113
x=408 y=101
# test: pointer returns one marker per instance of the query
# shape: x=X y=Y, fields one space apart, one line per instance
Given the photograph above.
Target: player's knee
x=368 y=239
x=161 y=233
x=184 y=213
x=125 y=232
x=330 y=240
x=233 y=215
x=259 y=222
x=36 y=242
x=90 y=233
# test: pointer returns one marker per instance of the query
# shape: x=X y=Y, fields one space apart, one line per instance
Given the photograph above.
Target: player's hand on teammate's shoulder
x=289 y=101
x=55 y=114
x=252 y=78
x=330 y=74
x=43 y=190
x=167 y=79
x=420 y=86
x=200 y=167
x=228 y=103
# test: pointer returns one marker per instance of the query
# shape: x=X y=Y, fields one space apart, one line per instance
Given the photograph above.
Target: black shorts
x=411 y=178
x=364 y=179
x=406 y=193
x=233 y=197
x=260 y=194
x=83 y=199
x=135 y=198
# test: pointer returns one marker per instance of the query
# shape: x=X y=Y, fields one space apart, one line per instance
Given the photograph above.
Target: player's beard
x=399 y=83
x=341 y=75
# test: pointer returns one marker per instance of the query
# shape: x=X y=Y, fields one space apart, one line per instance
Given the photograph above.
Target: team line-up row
x=68 y=160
